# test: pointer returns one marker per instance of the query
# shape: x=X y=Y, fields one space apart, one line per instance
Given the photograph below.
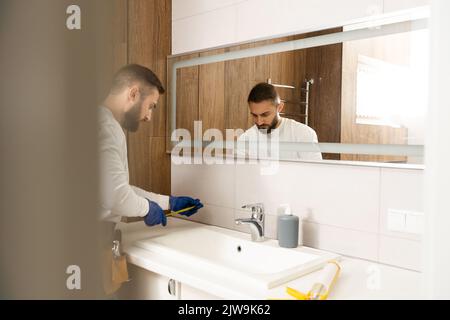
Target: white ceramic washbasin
x=228 y=254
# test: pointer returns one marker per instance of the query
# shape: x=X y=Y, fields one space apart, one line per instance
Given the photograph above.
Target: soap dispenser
x=287 y=228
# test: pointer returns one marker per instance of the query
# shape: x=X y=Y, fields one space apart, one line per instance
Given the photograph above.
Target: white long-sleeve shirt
x=288 y=131
x=118 y=197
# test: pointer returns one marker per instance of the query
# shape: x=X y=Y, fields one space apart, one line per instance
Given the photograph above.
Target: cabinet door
x=190 y=293
x=147 y=285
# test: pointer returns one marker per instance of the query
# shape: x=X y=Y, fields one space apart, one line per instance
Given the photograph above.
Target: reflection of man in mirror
x=265 y=106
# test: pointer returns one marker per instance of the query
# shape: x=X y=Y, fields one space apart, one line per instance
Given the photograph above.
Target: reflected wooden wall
x=217 y=93
x=324 y=65
x=393 y=49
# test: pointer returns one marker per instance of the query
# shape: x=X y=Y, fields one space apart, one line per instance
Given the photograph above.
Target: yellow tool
x=321 y=288
x=296 y=294
x=172 y=213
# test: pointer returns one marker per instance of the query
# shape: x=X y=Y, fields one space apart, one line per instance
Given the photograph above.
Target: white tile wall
x=400 y=252
x=291 y=16
x=351 y=193
x=345 y=206
x=216 y=216
x=214 y=184
x=343 y=241
x=202 y=24
x=396 y=5
x=213 y=29
x=182 y=9
x=271 y=227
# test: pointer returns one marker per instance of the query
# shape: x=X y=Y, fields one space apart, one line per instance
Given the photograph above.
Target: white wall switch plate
x=405 y=221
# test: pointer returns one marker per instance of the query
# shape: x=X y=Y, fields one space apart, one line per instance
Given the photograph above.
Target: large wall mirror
x=361 y=88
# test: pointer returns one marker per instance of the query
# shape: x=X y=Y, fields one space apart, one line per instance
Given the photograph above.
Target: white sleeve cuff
x=161 y=200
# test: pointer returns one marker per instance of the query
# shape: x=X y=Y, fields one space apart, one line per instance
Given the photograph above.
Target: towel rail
x=306 y=89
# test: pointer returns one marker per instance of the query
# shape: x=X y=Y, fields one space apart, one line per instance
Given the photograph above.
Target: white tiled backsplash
x=344 y=207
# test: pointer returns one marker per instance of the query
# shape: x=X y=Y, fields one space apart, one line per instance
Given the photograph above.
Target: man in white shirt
x=133 y=96
x=265 y=106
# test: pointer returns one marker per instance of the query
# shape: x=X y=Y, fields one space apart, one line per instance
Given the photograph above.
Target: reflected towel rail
x=306 y=89
x=293 y=114
x=285 y=86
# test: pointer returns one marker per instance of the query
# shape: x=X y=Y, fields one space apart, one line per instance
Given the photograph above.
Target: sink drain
x=239 y=249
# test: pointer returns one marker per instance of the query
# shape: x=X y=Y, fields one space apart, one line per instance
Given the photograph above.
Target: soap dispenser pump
x=287 y=229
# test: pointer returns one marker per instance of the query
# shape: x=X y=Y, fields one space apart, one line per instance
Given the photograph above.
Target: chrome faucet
x=256 y=222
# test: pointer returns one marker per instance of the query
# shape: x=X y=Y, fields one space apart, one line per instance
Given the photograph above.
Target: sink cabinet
x=147 y=285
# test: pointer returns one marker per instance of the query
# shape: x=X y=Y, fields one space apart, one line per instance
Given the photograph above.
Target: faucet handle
x=257 y=210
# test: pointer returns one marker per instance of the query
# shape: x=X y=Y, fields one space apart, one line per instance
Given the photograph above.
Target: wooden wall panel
x=120 y=34
x=111 y=43
x=187 y=95
x=324 y=65
x=240 y=77
x=260 y=65
x=139 y=159
x=211 y=97
x=149 y=36
x=283 y=71
x=259 y=72
x=293 y=109
x=238 y=84
x=149 y=44
x=159 y=166
x=243 y=74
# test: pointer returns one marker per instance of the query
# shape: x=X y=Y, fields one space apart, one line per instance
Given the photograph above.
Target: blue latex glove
x=180 y=203
x=155 y=215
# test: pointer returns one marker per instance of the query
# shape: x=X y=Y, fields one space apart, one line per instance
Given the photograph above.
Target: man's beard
x=132 y=117
x=267 y=129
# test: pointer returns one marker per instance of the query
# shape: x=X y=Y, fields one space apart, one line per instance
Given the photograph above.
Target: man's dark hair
x=132 y=73
x=262 y=92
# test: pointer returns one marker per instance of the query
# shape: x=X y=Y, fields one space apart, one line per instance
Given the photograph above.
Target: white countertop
x=359 y=279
